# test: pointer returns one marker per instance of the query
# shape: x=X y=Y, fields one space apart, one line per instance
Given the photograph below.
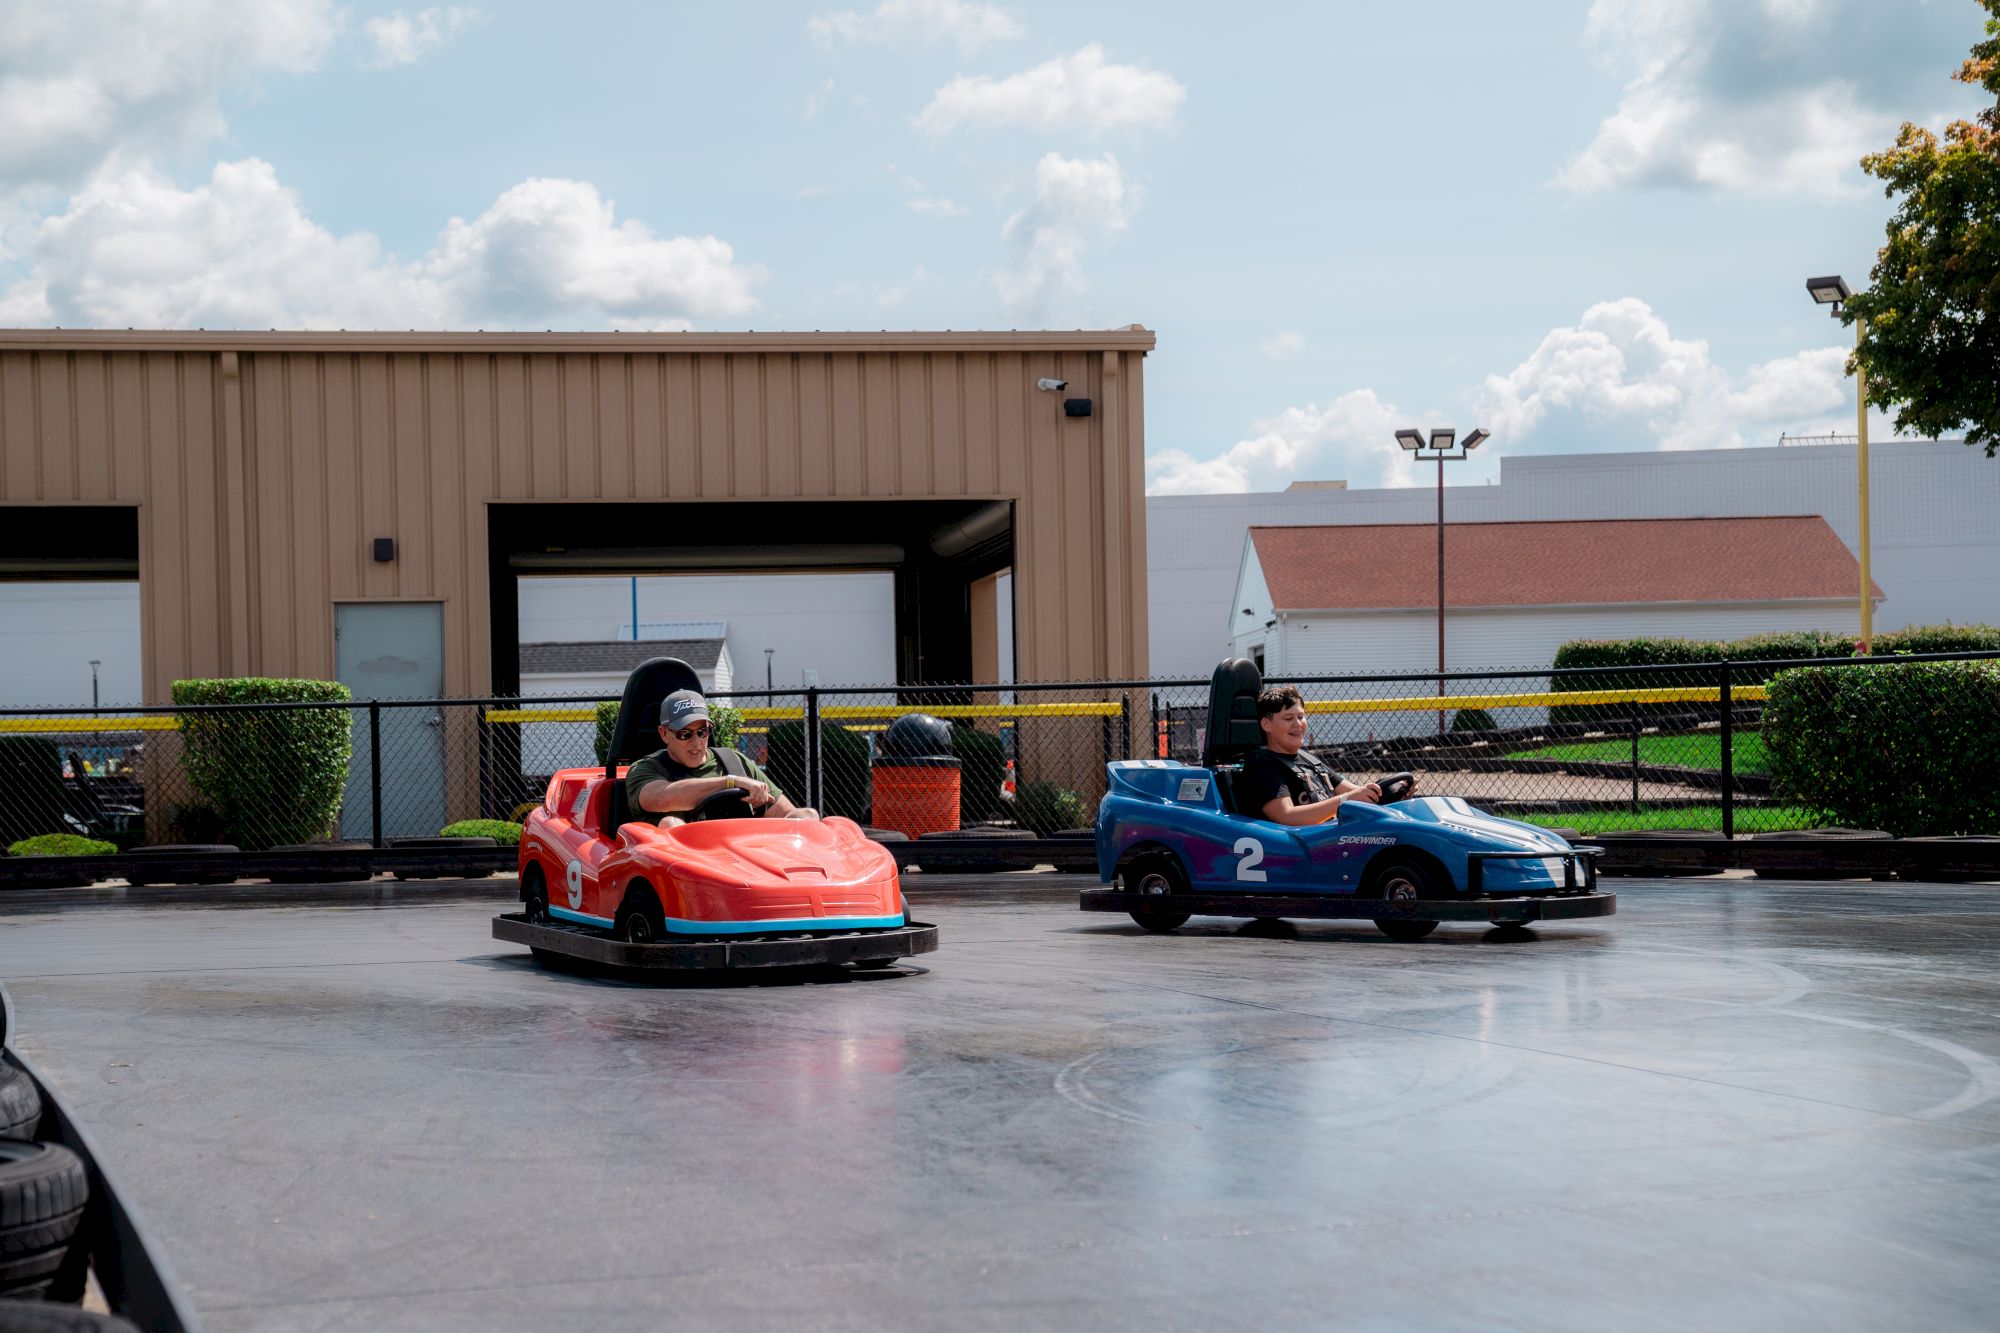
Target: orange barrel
x=916 y=796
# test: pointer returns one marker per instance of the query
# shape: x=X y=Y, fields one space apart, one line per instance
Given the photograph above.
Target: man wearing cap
x=688 y=770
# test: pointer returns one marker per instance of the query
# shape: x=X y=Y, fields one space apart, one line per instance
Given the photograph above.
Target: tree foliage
x=1931 y=346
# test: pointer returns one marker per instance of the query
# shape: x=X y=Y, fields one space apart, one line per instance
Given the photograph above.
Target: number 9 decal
x=573 y=881
x=1252 y=853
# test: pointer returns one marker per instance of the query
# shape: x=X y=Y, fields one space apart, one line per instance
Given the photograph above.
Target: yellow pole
x=1861 y=453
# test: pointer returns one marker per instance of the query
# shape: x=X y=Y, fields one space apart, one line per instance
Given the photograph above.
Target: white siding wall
x=1254 y=595
x=1935 y=540
x=50 y=631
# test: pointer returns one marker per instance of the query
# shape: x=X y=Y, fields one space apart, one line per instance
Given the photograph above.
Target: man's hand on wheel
x=757 y=793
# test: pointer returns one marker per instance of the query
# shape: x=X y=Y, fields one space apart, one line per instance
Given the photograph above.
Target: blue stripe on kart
x=683 y=927
x=581 y=918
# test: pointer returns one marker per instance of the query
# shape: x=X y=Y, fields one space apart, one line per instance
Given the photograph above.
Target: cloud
x=87 y=81
x=238 y=251
x=1284 y=344
x=1620 y=375
x=916 y=23
x=1074 y=199
x=931 y=205
x=1616 y=379
x=404 y=39
x=1765 y=97
x=1076 y=95
x=1353 y=438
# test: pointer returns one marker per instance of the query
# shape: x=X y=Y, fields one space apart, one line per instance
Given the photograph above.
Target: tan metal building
x=263 y=485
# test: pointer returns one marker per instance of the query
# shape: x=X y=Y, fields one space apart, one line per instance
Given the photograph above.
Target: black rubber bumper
x=859 y=946
x=1342 y=907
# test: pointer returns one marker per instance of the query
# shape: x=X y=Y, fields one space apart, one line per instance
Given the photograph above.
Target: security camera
x=1051 y=386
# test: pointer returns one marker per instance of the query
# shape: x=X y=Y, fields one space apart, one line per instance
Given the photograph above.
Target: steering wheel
x=729 y=803
x=1395 y=786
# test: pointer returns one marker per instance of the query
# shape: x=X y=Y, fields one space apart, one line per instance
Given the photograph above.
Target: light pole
x=95 y=662
x=1439 y=446
x=1833 y=290
x=767 y=669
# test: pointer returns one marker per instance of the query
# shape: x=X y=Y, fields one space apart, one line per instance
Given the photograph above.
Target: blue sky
x=1582 y=225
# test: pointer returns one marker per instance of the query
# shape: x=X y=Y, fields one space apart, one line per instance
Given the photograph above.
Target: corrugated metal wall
x=262 y=465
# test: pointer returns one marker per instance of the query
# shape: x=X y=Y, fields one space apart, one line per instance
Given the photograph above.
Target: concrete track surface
x=1735 y=1105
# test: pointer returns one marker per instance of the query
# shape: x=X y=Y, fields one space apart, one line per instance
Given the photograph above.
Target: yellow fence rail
x=43 y=726
x=837 y=712
x=1709 y=694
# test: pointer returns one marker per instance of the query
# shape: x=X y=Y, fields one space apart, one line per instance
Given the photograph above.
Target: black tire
x=874 y=964
x=1403 y=879
x=1157 y=876
x=42 y=1193
x=535 y=895
x=20 y=1104
x=640 y=920
x=42 y=1317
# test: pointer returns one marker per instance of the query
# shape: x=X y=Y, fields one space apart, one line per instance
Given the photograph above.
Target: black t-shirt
x=1268 y=775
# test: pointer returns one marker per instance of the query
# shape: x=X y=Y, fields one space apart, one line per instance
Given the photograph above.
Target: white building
x=1356 y=599
x=1936 y=546
x=599 y=668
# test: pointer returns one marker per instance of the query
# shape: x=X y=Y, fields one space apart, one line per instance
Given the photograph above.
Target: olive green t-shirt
x=660 y=767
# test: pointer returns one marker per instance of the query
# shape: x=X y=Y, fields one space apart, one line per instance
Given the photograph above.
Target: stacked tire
x=43 y=1190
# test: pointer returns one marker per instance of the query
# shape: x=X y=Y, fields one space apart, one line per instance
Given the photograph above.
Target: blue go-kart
x=1175 y=841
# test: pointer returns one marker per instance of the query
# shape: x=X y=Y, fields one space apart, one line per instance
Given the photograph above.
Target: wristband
x=729 y=782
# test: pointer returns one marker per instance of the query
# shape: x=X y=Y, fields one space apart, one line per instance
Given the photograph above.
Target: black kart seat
x=1232 y=725
x=637 y=733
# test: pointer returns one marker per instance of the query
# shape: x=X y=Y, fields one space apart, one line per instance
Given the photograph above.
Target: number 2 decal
x=1252 y=852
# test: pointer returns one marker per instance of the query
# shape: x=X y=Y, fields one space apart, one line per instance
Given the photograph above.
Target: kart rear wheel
x=1157 y=877
x=1407 y=881
x=535 y=896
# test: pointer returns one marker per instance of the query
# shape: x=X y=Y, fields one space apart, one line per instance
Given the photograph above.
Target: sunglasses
x=689 y=733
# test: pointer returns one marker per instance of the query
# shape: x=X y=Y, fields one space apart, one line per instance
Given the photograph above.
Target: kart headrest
x=638 y=731
x=1232 y=712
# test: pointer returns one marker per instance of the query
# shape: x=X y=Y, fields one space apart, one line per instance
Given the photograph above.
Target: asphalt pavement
x=1736 y=1104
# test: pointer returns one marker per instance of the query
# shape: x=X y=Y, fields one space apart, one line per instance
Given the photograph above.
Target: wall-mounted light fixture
x=385 y=550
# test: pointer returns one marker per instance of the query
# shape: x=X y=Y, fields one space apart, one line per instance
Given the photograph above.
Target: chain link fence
x=1598 y=750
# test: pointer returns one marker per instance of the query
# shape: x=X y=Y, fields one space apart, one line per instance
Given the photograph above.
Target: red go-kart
x=725 y=889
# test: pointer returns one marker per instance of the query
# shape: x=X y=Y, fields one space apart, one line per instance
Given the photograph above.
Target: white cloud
x=1074 y=199
x=1620 y=374
x=1766 y=97
x=404 y=39
x=1075 y=95
x=934 y=206
x=238 y=251
x=87 y=81
x=916 y=23
x=1352 y=438
x=1284 y=344
x=1616 y=379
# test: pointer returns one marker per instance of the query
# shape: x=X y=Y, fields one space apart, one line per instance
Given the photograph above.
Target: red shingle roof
x=1590 y=562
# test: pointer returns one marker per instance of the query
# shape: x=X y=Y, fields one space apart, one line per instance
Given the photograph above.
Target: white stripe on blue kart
x=681 y=926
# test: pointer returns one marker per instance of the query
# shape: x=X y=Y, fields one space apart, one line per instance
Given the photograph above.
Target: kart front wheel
x=1407 y=882
x=640 y=920
x=1157 y=877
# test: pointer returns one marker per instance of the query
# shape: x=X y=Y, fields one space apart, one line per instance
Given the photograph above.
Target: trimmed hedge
x=1049 y=808
x=36 y=797
x=982 y=766
x=502 y=831
x=61 y=844
x=726 y=723
x=1910 y=748
x=272 y=776
x=1473 y=719
x=843 y=767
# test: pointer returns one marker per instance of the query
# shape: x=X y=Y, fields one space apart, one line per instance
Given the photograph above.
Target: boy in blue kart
x=1283 y=783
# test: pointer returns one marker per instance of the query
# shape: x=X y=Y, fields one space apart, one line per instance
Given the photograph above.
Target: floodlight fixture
x=1410 y=439
x=1442 y=437
x=1831 y=290
x=1478 y=437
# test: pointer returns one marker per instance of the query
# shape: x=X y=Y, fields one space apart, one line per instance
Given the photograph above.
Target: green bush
x=1938 y=639
x=1910 y=748
x=273 y=776
x=60 y=844
x=502 y=831
x=843 y=767
x=1636 y=654
x=1473 y=719
x=726 y=723
x=982 y=765
x=1048 y=808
